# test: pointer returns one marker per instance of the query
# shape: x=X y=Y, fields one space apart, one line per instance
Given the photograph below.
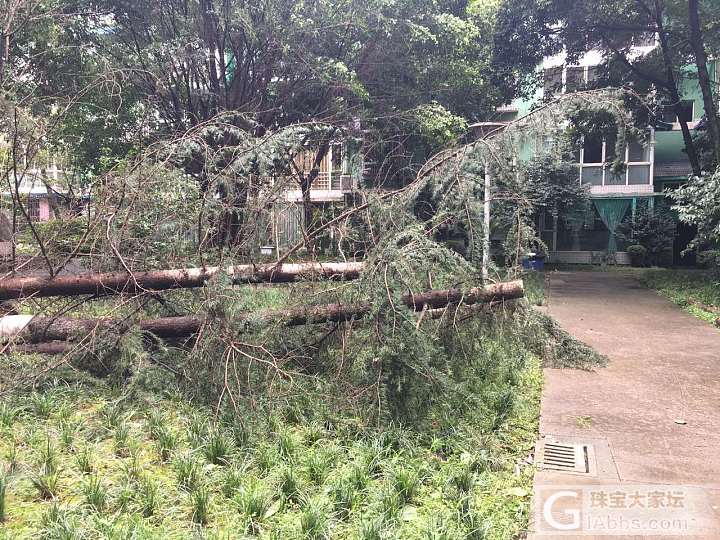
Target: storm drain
x=565 y=456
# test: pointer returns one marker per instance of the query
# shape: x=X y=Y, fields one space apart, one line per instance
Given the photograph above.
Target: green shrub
x=254 y=505
x=653 y=229
x=200 y=502
x=638 y=255
x=46 y=484
x=217 y=447
x=95 y=494
x=187 y=472
x=709 y=259
x=60 y=236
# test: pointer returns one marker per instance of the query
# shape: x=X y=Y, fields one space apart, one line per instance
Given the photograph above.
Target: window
x=637 y=152
x=597 y=154
x=337 y=157
x=574 y=79
x=545 y=222
x=687 y=112
x=593 y=75
x=610 y=142
x=553 y=81
x=644 y=39
x=33 y=208
x=593 y=150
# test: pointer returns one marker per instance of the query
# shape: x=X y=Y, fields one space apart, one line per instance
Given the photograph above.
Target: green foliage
x=61 y=237
x=147 y=496
x=166 y=441
x=709 y=259
x=317 y=464
x=69 y=429
x=696 y=291
x=653 y=229
x=46 y=483
x=553 y=186
x=698 y=203
x=406 y=483
x=314 y=523
x=3 y=496
x=187 y=472
x=200 y=500
x=638 y=255
x=254 y=504
x=343 y=495
x=439 y=127
x=232 y=481
x=217 y=447
x=558 y=348
x=95 y=493
x=289 y=485
x=8 y=414
x=122 y=438
x=342 y=479
x=84 y=460
x=42 y=405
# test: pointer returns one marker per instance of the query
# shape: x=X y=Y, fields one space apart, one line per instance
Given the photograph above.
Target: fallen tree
x=184 y=278
x=48 y=334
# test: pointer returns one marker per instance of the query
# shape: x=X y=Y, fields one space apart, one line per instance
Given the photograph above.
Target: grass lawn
x=534 y=287
x=83 y=460
x=695 y=290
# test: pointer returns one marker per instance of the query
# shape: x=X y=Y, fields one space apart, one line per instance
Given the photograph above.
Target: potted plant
x=638 y=255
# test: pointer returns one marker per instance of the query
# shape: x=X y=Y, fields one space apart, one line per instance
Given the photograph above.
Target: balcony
x=334 y=179
x=596 y=171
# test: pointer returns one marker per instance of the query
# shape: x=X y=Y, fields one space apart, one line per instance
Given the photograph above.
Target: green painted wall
x=689 y=89
x=669 y=144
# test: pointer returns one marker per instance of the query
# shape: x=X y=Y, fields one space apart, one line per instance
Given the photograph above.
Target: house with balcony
x=335 y=187
x=650 y=166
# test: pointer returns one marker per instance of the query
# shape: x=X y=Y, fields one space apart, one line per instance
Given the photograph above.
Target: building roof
x=673 y=168
x=33 y=185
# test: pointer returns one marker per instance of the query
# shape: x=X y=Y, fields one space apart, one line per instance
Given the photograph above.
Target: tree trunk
x=673 y=90
x=36 y=330
x=185 y=278
x=698 y=46
x=306 y=182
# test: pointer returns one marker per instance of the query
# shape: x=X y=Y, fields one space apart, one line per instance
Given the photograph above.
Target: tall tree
x=388 y=67
x=698 y=46
x=613 y=27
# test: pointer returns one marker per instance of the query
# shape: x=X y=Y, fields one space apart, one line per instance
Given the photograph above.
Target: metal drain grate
x=565 y=456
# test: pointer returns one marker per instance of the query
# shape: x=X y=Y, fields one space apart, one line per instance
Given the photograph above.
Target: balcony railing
x=601 y=175
x=334 y=181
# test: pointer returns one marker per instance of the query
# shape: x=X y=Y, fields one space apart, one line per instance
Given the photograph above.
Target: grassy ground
x=698 y=292
x=83 y=460
x=534 y=287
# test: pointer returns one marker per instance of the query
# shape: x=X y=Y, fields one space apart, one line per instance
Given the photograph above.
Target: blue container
x=534 y=263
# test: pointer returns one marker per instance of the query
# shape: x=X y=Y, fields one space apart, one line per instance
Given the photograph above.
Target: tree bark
x=306 y=182
x=698 y=46
x=672 y=89
x=36 y=330
x=122 y=282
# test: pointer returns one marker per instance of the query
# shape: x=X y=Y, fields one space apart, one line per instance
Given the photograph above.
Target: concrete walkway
x=654 y=413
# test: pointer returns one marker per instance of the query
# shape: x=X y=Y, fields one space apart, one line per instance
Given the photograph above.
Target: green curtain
x=612 y=212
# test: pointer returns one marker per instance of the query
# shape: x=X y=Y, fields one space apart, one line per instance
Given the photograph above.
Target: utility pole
x=486 y=224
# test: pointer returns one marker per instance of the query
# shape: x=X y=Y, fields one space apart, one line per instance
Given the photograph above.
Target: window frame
x=628 y=164
x=33 y=209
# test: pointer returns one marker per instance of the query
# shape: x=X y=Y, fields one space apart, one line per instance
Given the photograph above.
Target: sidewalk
x=653 y=415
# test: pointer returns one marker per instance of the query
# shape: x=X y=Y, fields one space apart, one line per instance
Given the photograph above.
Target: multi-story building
x=651 y=166
x=339 y=176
